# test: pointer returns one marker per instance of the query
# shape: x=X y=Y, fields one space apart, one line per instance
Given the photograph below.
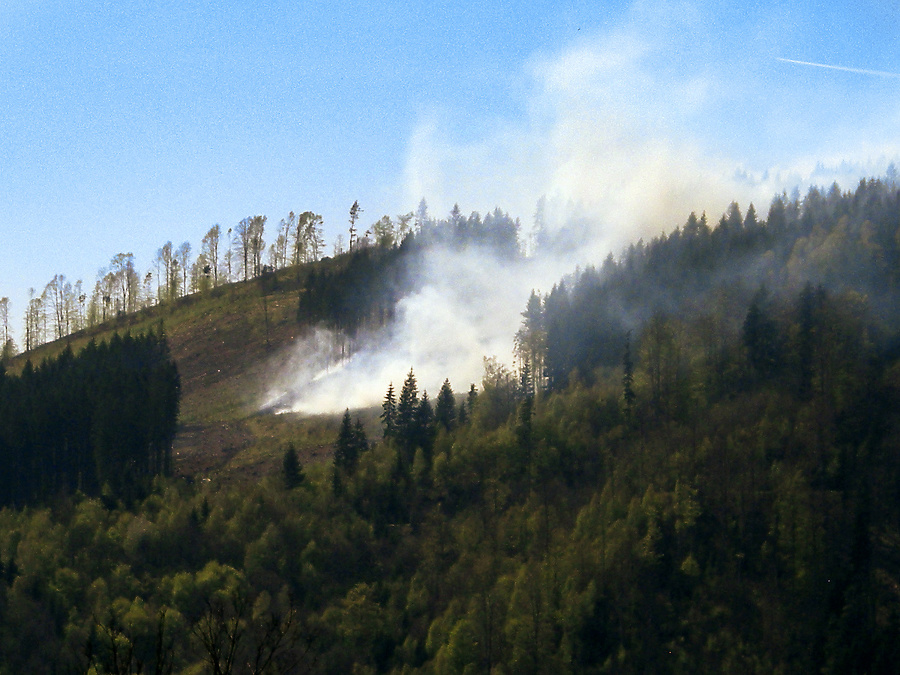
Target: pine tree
x=406 y=408
x=445 y=409
x=291 y=471
x=346 y=446
x=389 y=412
x=423 y=431
x=760 y=337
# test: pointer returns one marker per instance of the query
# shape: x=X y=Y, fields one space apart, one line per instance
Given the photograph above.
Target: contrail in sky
x=861 y=71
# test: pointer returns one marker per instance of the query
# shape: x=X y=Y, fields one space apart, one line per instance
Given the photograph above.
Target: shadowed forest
x=692 y=466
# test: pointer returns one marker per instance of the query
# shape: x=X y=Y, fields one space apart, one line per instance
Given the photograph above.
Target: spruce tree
x=291 y=471
x=760 y=337
x=389 y=412
x=805 y=342
x=525 y=414
x=406 y=408
x=423 y=429
x=346 y=446
x=445 y=409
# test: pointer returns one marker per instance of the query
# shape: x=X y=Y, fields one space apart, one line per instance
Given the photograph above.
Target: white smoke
x=624 y=134
x=657 y=116
x=462 y=306
x=604 y=138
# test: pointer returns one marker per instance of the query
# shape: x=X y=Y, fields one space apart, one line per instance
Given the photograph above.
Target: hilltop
x=231 y=342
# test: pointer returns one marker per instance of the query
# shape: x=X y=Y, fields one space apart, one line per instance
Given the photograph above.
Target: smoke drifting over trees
x=461 y=290
x=439 y=301
x=692 y=458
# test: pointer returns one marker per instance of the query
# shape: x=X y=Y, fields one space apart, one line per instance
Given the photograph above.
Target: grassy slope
x=226 y=356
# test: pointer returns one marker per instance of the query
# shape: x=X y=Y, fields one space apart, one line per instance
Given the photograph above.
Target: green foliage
x=844 y=242
x=351 y=443
x=291 y=470
x=102 y=420
x=389 y=412
x=354 y=291
x=717 y=496
x=445 y=408
x=728 y=537
x=761 y=338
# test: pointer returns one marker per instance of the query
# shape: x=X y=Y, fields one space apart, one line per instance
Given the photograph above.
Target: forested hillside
x=227 y=257
x=692 y=467
x=101 y=421
x=845 y=244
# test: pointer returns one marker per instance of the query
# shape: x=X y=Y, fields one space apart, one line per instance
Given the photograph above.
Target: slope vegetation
x=708 y=486
x=226 y=344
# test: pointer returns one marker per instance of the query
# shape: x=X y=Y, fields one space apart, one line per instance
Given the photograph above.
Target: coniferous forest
x=99 y=422
x=694 y=466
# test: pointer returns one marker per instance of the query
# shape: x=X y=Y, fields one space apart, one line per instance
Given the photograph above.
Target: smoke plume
x=623 y=134
x=460 y=307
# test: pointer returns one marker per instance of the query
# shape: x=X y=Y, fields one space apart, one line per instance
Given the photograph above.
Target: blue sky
x=127 y=124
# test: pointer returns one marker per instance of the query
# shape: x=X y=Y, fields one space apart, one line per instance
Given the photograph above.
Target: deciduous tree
x=210 y=248
x=57 y=298
x=250 y=245
x=383 y=231
x=125 y=282
x=165 y=261
x=184 y=262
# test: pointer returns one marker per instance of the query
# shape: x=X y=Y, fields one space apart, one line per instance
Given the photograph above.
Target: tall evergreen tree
x=531 y=343
x=750 y=220
x=421 y=215
x=361 y=443
x=406 y=408
x=760 y=337
x=524 y=417
x=445 y=408
x=462 y=414
x=423 y=430
x=291 y=471
x=389 y=412
x=346 y=447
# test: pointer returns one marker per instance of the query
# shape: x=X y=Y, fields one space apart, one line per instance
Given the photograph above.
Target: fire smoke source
x=463 y=306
